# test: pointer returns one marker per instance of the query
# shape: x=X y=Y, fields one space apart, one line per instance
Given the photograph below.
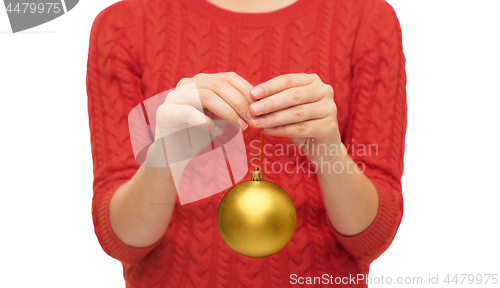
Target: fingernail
x=258 y=121
x=218 y=131
x=256 y=91
x=243 y=124
x=257 y=107
x=249 y=115
x=269 y=129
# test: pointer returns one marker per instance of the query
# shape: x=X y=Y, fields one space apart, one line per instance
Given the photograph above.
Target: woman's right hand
x=134 y=219
x=223 y=95
x=198 y=101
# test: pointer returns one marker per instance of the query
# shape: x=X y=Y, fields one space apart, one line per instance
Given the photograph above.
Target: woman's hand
x=301 y=107
x=297 y=106
x=223 y=95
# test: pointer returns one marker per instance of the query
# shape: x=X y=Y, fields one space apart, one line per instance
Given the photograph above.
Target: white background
x=451 y=191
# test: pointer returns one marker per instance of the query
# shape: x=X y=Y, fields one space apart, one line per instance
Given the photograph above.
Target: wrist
x=335 y=159
x=328 y=151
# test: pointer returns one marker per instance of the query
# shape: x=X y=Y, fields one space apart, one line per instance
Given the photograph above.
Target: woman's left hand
x=297 y=106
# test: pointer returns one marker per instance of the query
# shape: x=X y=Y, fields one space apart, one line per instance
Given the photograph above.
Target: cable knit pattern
x=139 y=48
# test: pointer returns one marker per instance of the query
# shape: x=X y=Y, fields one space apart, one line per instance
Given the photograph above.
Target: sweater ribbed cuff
x=374 y=240
x=110 y=243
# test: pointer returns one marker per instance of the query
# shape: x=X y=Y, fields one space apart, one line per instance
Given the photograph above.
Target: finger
x=219 y=107
x=300 y=129
x=185 y=141
x=185 y=94
x=281 y=83
x=188 y=94
x=227 y=92
x=285 y=99
x=238 y=82
x=187 y=114
x=169 y=115
x=197 y=119
x=215 y=129
x=294 y=114
x=209 y=113
x=211 y=116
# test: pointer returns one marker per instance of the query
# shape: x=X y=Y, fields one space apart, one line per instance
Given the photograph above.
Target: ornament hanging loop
x=256 y=174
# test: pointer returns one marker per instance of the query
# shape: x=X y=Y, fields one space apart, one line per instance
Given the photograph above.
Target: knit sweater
x=139 y=48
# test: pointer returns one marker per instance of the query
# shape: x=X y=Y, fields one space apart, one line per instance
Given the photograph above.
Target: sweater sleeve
x=377 y=125
x=113 y=88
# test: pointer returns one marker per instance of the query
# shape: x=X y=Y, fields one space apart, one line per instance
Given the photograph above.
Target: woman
x=331 y=71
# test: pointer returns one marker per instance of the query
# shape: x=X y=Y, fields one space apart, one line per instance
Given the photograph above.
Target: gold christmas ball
x=256 y=218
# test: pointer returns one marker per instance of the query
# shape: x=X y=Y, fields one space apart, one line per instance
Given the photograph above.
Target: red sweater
x=139 y=48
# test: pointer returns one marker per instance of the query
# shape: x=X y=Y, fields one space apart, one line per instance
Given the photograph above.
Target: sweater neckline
x=282 y=15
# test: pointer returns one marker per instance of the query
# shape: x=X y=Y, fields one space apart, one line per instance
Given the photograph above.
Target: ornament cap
x=256 y=174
